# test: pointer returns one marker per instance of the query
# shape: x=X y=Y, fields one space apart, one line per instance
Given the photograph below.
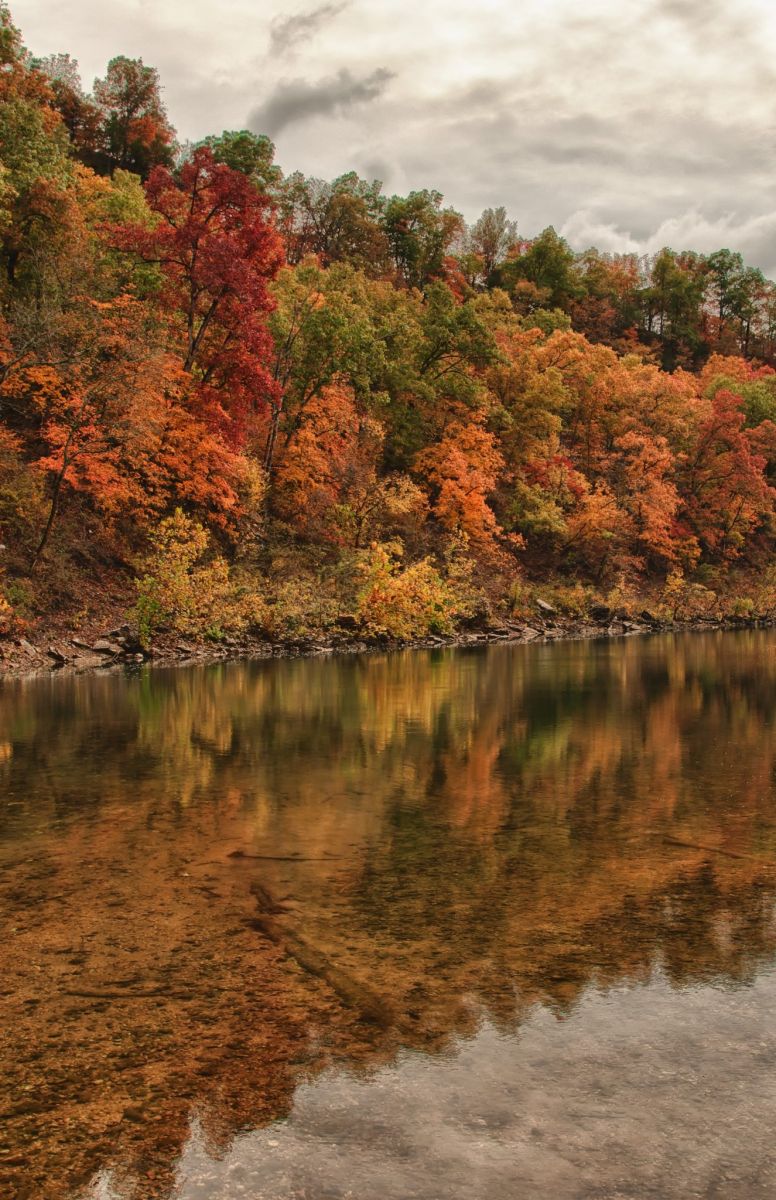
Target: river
x=449 y=925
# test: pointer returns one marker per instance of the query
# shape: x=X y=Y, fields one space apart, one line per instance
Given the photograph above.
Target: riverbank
x=100 y=646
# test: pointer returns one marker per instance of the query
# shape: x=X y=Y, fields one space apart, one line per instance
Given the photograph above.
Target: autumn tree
x=35 y=169
x=324 y=332
x=723 y=484
x=734 y=291
x=217 y=250
x=673 y=300
x=463 y=469
x=80 y=114
x=420 y=232
x=490 y=238
x=608 y=305
x=329 y=487
x=135 y=133
x=251 y=153
x=548 y=265
x=337 y=221
x=438 y=348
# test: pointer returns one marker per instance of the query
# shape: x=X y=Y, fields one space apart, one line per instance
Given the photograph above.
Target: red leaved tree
x=725 y=489
x=217 y=248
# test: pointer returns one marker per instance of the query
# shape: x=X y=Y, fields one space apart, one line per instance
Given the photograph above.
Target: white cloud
x=754 y=237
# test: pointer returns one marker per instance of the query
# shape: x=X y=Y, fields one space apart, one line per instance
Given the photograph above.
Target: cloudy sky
x=628 y=124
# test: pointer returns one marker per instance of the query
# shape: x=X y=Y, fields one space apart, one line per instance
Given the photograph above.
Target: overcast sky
x=628 y=124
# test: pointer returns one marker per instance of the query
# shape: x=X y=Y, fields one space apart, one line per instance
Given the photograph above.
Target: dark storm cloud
x=295 y=100
x=287 y=32
x=376 y=168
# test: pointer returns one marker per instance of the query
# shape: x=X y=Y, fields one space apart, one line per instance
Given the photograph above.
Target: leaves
x=305 y=369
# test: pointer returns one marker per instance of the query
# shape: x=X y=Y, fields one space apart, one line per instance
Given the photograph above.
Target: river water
x=453 y=925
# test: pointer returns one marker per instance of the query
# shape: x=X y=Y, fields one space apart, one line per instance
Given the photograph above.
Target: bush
x=743 y=606
x=572 y=599
x=301 y=608
x=682 y=599
x=404 y=602
x=180 y=588
x=764 y=594
x=6 y=616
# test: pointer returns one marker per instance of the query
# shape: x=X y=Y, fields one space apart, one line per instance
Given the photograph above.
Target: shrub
x=570 y=599
x=180 y=588
x=6 y=616
x=764 y=594
x=301 y=608
x=743 y=606
x=404 y=602
x=682 y=599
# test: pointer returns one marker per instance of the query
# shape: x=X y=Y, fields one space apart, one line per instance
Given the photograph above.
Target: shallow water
x=463 y=924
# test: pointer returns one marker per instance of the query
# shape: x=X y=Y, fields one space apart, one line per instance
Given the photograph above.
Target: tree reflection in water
x=486 y=840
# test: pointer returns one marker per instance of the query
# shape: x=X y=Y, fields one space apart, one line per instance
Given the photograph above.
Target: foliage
x=300 y=607
x=310 y=368
x=217 y=252
x=404 y=602
x=182 y=587
x=251 y=153
x=134 y=133
x=683 y=598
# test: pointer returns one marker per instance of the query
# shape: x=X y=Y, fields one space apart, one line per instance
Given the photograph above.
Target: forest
x=236 y=399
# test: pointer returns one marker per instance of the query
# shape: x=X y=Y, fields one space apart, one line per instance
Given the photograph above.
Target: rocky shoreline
x=119 y=647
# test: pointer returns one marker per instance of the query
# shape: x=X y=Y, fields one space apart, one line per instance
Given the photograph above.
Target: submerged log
x=353 y=992
x=761 y=862
x=295 y=858
x=109 y=994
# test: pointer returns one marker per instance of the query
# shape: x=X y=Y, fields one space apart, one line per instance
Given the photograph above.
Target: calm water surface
x=477 y=925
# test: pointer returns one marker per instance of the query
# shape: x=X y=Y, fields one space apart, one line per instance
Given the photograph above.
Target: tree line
x=273 y=399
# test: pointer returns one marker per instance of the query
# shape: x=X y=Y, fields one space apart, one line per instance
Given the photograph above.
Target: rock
x=57 y=655
x=103 y=646
x=601 y=613
x=477 y=622
x=544 y=607
x=649 y=617
x=121 y=632
x=28 y=647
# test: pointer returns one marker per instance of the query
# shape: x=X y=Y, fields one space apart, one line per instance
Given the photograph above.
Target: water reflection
x=501 y=858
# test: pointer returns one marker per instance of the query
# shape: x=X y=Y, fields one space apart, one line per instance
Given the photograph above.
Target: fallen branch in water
x=281 y=857
x=353 y=992
x=265 y=900
x=150 y=994
x=761 y=862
